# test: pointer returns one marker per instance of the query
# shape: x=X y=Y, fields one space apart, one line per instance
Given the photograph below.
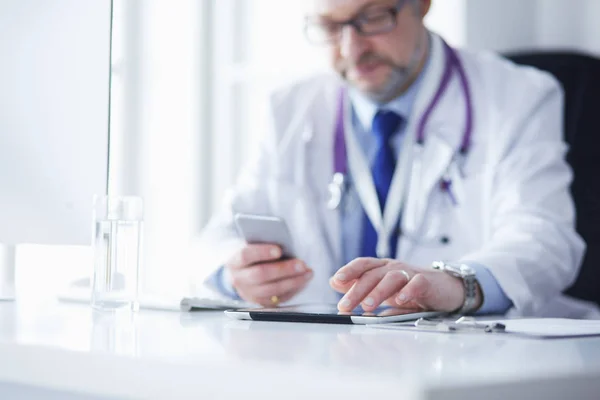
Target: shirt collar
x=365 y=109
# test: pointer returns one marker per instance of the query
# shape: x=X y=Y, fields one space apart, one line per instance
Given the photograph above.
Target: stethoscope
x=338 y=186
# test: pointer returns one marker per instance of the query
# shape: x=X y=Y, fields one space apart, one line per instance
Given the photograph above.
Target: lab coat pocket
x=435 y=237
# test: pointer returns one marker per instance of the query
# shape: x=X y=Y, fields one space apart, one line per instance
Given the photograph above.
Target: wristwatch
x=469 y=278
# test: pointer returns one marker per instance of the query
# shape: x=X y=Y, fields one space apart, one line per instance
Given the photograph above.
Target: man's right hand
x=260 y=276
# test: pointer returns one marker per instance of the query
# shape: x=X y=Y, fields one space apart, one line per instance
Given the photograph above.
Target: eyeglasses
x=370 y=22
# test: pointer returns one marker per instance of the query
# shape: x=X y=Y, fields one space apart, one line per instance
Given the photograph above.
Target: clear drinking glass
x=115 y=333
x=117 y=245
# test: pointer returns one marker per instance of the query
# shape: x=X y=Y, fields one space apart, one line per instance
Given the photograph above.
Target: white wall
x=569 y=24
x=519 y=24
x=54 y=85
x=591 y=24
x=448 y=18
x=501 y=24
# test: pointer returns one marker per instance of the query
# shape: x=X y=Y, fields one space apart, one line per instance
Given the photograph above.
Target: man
x=455 y=160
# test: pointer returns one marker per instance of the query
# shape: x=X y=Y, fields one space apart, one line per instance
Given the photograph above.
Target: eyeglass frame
x=355 y=22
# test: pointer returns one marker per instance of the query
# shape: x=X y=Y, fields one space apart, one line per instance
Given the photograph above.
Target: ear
x=424 y=6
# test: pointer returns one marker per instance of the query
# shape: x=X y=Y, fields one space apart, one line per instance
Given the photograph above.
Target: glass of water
x=117 y=245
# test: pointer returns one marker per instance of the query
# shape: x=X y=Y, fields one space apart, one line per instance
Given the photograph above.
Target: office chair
x=579 y=75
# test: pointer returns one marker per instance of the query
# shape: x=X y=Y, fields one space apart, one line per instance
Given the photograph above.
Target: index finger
x=355 y=268
x=255 y=253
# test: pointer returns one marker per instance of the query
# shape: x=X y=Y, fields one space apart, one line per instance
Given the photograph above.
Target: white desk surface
x=161 y=354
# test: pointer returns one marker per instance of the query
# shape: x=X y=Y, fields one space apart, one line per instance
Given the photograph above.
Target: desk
x=67 y=350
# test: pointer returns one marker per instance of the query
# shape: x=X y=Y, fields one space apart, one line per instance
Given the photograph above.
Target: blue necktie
x=385 y=125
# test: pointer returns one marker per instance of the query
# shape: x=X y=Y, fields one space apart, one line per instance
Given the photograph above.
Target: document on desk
x=156 y=302
x=540 y=328
x=208 y=303
x=552 y=327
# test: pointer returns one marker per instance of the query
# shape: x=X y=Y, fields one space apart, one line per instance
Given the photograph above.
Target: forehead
x=344 y=8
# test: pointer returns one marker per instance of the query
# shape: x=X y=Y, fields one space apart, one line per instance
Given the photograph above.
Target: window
x=258 y=45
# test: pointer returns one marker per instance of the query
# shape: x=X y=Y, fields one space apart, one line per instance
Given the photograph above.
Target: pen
x=446 y=186
x=462 y=323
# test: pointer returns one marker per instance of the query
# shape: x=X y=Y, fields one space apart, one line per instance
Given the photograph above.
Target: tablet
x=328 y=314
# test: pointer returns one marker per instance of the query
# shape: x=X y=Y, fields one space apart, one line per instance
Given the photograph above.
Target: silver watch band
x=469 y=278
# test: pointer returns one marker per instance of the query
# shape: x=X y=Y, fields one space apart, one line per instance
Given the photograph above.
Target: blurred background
x=188 y=85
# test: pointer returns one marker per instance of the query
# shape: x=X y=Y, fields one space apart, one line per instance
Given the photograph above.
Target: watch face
x=458 y=270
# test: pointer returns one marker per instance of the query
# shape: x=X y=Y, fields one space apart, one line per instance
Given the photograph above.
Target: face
x=380 y=65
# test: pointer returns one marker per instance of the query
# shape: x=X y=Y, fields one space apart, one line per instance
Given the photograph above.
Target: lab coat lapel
x=431 y=160
x=320 y=156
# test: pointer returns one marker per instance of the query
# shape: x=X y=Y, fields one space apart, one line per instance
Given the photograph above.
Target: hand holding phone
x=265 y=271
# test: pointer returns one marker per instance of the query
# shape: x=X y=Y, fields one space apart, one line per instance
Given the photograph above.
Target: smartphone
x=267 y=229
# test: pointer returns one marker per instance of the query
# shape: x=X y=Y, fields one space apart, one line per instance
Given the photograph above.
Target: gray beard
x=396 y=82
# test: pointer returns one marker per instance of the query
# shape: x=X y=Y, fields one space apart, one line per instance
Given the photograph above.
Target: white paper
x=527 y=327
x=552 y=327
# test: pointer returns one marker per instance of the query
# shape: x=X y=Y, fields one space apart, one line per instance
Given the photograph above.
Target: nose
x=352 y=44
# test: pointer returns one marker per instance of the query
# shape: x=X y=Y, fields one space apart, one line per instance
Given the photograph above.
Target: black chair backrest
x=580 y=78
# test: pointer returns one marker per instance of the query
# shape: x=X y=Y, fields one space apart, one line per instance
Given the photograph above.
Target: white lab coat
x=515 y=214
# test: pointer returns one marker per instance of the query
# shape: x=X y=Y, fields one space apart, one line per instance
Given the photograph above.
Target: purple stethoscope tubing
x=453 y=63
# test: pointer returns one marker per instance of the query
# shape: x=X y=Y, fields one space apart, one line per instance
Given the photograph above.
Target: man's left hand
x=372 y=282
